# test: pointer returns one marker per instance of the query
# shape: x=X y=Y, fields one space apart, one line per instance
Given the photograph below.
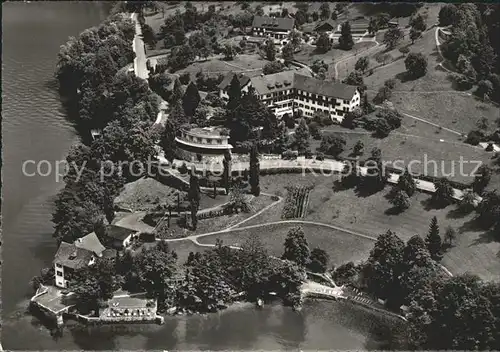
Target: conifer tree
x=194 y=198
x=191 y=99
x=254 y=171
x=234 y=93
x=433 y=240
x=227 y=171
x=345 y=39
x=177 y=92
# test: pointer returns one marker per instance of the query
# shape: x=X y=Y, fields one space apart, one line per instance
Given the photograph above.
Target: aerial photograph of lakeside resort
x=250 y=175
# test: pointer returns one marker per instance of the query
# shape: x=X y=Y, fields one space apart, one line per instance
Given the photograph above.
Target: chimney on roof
x=73 y=255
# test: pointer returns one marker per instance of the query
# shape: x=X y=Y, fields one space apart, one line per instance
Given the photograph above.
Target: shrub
x=474 y=137
x=314 y=130
x=185 y=78
x=289 y=121
x=463 y=82
x=320 y=156
x=404 y=50
x=384 y=93
x=308 y=154
x=289 y=155
x=392 y=117
x=390 y=83
x=183 y=169
x=382 y=128
x=489 y=147
x=332 y=145
x=273 y=67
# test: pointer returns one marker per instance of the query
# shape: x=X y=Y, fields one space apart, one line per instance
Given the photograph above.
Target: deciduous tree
x=416 y=64
x=392 y=37
x=296 y=247
x=302 y=136
x=362 y=64
x=318 y=261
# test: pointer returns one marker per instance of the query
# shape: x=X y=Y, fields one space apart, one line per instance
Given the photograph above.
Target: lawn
x=148 y=193
x=334 y=242
x=251 y=65
x=308 y=54
x=145 y=194
x=474 y=250
x=407 y=144
x=216 y=223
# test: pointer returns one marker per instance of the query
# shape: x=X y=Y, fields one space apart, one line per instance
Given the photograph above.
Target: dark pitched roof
x=91 y=243
x=328 y=22
x=326 y=88
x=229 y=77
x=273 y=83
x=118 y=232
x=71 y=256
x=279 y=23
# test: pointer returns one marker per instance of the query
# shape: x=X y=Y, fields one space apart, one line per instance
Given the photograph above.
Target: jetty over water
x=311 y=288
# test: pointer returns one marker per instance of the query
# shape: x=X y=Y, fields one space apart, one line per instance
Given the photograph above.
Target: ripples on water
x=35 y=128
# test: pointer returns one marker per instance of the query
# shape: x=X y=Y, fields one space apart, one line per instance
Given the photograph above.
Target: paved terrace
x=51 y=299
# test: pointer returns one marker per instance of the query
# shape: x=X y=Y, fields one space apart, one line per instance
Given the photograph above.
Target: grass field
x=148 y=193
x=145 y=194
x=474 y=250
x=251 y=65
x=407 y=145
x=216 y=223
x=341 y=247
x=308 y=54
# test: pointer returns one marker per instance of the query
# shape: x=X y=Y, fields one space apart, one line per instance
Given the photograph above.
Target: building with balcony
x=288 y=91
x=74 y=256
x=276 y=28
x=198 y=143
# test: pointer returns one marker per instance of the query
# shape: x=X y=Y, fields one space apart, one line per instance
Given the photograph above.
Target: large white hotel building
x=288 y=91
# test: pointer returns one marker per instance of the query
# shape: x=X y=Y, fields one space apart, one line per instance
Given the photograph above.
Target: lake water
x=35 y=128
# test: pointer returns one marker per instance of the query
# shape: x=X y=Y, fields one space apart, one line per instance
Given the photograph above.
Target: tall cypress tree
x=227 y=170
x=234 y=93
x=254 y=171
x=177 y=115
x=167 y=141
x=433 y=240
x=194 y=198
x=191 y=99
x=345 y=39
x=177 y=92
